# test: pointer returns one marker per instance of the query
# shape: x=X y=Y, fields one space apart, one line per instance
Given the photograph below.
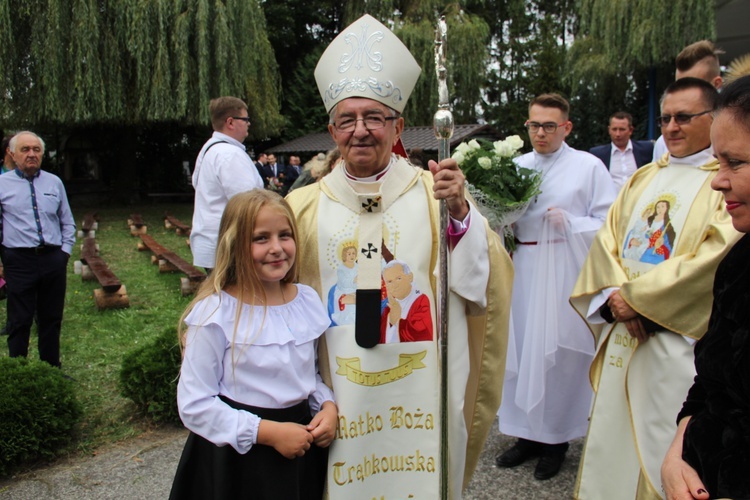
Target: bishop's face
x=366 y=152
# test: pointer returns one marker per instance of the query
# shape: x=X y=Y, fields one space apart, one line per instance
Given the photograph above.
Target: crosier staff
x=443 y=125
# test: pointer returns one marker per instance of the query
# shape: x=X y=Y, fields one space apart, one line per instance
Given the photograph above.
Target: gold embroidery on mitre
x=407 y=363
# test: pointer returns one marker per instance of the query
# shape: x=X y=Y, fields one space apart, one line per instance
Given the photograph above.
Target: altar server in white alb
x=547 y=396
x=376 y=202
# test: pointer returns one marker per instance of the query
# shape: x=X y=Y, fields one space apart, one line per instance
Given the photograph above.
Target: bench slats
x=104 y=275
x=192 y=272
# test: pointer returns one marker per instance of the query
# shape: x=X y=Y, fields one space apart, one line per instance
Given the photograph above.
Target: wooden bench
x=136 y=225
x=89 y=226
x=170 y=262
x=181 y=229
x=112 y=294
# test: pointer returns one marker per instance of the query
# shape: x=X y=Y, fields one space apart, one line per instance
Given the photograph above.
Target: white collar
x=629 y=147
x=695 y=160
x=407 y=301
x=371 y=178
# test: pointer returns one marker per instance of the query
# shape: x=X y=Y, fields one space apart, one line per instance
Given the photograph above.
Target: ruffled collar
x=300 y=320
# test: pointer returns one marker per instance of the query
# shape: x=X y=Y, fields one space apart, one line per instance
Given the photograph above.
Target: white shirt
x=221 y=172
x=622 y=164
x=660 y=147
x=270 y=362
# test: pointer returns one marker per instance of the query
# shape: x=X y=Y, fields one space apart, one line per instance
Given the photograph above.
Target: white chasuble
x=388 y=437
x=663 y=239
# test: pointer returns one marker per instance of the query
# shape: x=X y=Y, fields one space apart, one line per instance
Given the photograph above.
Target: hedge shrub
x=148 y=377
x=38 y=412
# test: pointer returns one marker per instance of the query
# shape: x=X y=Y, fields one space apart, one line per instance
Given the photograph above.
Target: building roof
x=412 y=137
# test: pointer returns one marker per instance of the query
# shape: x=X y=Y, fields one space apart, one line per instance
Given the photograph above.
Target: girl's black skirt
x=207 y=471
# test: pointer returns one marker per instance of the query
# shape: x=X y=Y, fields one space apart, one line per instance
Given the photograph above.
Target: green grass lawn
x=93 y=342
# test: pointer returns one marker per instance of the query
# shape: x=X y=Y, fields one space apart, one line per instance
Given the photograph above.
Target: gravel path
x=142 y=469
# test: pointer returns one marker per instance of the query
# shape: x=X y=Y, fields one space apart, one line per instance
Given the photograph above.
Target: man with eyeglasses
x=376 y=208
x=546 y=395
x=645 y=291
x=697 y=60
x=222 y=170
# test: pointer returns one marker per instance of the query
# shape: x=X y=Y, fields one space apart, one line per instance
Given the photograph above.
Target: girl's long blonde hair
x=234 y=257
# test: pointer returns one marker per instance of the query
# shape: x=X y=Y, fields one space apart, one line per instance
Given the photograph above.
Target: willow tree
x=634 y=41
x=637 y=33
x=414 y=22
x=134 y=62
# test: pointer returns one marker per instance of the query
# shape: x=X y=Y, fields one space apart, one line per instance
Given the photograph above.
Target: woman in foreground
x=710 y=455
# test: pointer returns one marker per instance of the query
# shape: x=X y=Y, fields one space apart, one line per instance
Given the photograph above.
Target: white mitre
x=367 y=60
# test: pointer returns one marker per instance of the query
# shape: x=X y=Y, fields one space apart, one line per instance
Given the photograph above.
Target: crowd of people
x=311 y=361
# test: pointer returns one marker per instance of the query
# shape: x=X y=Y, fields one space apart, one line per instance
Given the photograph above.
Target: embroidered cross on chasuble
x=367 y=320
x=370 y=200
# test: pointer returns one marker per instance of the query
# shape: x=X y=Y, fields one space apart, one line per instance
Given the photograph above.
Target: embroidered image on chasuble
x=369 y=248
x=388 y=396
x=663 y=239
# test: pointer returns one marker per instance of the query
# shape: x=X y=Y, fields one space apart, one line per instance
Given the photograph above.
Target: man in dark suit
x=260 y=165
x=622 y=156
x=291 y=173
x=274 y=175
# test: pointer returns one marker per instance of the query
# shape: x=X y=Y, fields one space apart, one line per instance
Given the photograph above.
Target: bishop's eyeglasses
x=372 y=122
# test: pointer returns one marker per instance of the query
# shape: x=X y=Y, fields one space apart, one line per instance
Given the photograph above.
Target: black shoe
x=549 y=465
x=518 y=453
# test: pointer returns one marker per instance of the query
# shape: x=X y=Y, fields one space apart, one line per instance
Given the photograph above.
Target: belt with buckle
x=40 y=250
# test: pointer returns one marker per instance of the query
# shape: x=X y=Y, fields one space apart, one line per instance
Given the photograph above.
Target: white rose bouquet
x=502 y=189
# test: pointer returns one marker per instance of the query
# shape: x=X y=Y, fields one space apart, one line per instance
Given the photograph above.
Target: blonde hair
x=234 y=257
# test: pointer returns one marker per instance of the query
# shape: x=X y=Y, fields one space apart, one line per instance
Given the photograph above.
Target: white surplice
x=546 y=394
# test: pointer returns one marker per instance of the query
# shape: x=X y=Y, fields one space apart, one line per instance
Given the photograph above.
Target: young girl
x=249 y=380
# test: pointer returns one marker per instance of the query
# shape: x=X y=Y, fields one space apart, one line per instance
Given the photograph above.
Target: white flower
x=502 y=148
x=463 y=148
x=485 y=163
x=515 y=142
x=457 y=155
x=473 y=144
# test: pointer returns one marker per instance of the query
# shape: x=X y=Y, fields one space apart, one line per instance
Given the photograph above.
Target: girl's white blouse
x=269 y=362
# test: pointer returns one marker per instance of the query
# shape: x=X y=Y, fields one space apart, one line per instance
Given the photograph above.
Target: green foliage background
x=94 y=343
x=115 y=68
x=38 y=410
x=149 y=377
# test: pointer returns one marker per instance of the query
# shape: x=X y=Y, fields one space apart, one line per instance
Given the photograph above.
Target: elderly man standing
x=645 y=291
x=222 y=170
x=38 y=233
x=388 y=394
x=547 y=396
